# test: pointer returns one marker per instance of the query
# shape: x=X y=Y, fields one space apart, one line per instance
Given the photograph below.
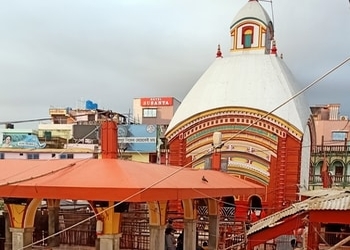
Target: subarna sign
x=156 y=101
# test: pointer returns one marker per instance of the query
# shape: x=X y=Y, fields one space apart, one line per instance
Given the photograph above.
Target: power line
x=24 y=121
x=107 y=113
x=188 y=164
x=288 y=100
x=272 y=14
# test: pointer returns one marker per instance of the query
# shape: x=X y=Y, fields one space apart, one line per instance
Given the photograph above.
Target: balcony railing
x=332 y=238
x=337 y=179
x=331 y=149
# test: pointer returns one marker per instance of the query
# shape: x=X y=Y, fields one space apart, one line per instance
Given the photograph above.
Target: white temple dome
x=251 y=75
x=256 y=81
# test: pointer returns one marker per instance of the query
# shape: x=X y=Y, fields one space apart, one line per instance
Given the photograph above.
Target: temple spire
x=218 y=53
x=274 y=48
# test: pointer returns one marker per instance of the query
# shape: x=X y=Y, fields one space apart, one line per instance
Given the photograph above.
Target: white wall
x=46 y=156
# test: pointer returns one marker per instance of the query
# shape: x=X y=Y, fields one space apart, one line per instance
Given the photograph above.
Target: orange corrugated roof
x=114 y=179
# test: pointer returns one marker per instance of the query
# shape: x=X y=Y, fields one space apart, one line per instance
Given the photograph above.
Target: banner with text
x=20 y=140
x=137 y=138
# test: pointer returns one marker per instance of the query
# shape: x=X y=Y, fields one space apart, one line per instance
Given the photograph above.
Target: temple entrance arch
x=228 y=208
x=255 y=210
x=255 y=202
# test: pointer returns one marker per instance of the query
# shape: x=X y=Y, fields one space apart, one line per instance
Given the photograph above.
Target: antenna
x=272 y=14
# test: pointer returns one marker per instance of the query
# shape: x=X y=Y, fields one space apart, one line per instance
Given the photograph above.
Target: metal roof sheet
x=323 y=199
x=275 y=218
x=321 y=192
x=332 y=201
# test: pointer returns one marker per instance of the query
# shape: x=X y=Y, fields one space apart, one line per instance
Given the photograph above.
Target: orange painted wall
x=284 y=174
x=174 y=149
x=177 y=149
x=109 y=139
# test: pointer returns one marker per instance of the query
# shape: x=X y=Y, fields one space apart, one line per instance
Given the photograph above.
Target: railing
x=332 y=238
x=78 y=237
x=237 y=241
x=233 y=237
x=70 y=237
x=330 y=149
x=337 y=179
x=135 y=229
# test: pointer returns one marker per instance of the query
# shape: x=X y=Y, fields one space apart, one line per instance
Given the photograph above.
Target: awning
x=116 y=180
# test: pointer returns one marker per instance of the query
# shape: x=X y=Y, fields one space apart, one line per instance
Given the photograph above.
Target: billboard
x=86 y=132
x=20 y=140
x=137 y=138
x=156 y=101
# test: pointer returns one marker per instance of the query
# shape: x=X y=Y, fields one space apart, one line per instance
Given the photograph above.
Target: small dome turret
x=252 y=30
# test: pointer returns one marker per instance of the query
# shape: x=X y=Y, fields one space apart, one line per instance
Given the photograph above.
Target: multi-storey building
x=75 y=133
x=154 y=110
x=27 y=144
x=332 y=147
x=71 y=133
x=155 y=113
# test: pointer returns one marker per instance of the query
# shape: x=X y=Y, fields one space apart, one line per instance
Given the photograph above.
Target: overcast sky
x=60 y=53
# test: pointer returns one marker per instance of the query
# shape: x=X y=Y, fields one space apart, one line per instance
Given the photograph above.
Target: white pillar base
x=109 y=241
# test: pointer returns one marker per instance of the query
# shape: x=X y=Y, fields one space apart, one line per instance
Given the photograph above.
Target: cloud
x=59 y=52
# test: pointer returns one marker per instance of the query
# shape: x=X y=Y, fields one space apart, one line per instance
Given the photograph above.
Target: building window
x=247 y=38
x=2 y=156
x=149 y=112
x=66 y=156
x=32 y=156
x=47 y=135
x=338 y=170
x=339 y=135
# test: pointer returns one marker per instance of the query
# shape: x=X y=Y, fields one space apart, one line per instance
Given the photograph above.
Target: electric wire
x=347 y=123
x=288 y=100
x=29 y=169
x=108 y=208
x=272 y=14
x=44 y=174
x=320 y=235
x=24 y=121
x=98 y=112
x=178 y=169
x=186 y=165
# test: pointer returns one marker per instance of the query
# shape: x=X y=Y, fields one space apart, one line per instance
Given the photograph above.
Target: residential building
x=143 y=139
x=332 y=148
x=154 y=110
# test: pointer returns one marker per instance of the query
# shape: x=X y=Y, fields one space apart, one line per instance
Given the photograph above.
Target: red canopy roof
x=116 y=180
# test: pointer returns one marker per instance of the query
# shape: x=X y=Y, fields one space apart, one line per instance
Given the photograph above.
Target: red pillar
x=216 y=161
x=109 y=140
x=313 y=234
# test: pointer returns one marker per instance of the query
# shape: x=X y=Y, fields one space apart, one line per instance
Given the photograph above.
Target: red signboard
x=156 y=101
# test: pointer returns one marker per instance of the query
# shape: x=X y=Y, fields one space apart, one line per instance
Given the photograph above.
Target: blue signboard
x=20 y=140
x=137 y=138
